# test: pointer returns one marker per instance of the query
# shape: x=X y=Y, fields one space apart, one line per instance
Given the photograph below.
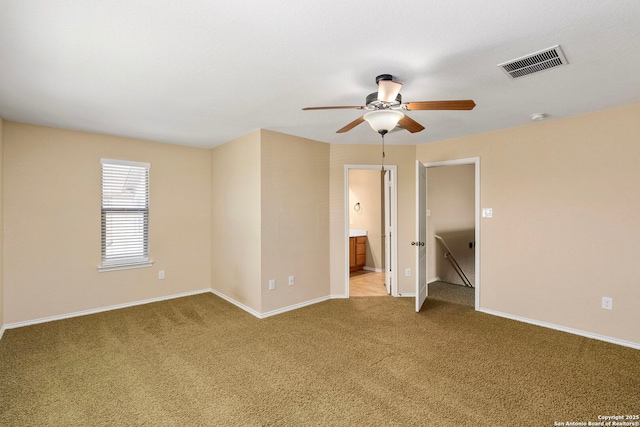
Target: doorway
x=370 y=225
x=451 y=208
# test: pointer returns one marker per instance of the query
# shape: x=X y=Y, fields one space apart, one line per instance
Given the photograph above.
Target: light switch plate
x=487 y=212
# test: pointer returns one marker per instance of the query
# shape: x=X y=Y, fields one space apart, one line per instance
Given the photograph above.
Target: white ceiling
x=204 y=72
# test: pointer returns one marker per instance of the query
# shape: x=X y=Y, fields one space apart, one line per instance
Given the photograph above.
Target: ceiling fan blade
x=351 y=125
x=355 y=107
x=411 y=125
x=463 y=104
x=388 y=90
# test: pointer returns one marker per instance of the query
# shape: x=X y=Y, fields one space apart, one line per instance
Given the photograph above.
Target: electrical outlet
x=292 y=280
x=407 y=272
x=161 y=274
x=272 y=284
x=607 y=303
x=487 y=212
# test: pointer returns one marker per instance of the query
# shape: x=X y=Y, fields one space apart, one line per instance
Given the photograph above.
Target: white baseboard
x=563 y=329
x=293 y=307
x=151 y=300
x=300 y=305
x=268 y=313
x=236 y=303
x=101 y=309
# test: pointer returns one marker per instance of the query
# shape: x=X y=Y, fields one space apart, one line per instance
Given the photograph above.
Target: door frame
x=393 y=244
x=465 y=161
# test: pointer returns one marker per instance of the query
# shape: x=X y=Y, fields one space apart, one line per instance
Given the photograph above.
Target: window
x=125 y=215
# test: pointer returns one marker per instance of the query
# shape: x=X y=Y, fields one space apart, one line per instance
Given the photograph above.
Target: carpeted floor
x=199 y=361
x=453 y=293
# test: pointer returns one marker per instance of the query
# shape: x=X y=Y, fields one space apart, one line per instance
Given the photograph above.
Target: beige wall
x=365 y=189
x=270 y=220
x=359 y=154
x=2 y=322
x=564 y=194
x=215 y=215
x=295 y=219
x=451 y=202
x=566 y=200
x=52 y=222
x=236 y=220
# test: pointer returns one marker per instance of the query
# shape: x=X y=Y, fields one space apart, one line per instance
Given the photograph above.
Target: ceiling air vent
x=534 y=63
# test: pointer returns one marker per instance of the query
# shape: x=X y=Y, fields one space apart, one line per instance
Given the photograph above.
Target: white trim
x=395 y=291
x=563 y=329
x=114 y=267
x=101 y=309
x=477 y=236
x=2 y=329
x=422 y=220
x=465 y=161
x=394 y=224
x=125 y=163
x=268 y=313
x=293 y=307
x=236 y=303
x=470 y=161
x=374 y=269
x=339 y=296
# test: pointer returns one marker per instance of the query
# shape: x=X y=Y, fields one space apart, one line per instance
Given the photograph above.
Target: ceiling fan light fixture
x=383 y=108
x=382 y=121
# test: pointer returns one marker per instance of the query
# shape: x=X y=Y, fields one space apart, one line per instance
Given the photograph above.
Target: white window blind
x=125 y=214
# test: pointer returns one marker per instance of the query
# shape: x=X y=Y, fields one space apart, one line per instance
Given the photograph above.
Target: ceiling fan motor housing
x=372 y=100
x=384 y=77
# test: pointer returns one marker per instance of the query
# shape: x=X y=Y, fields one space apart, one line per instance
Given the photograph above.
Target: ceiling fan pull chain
x=382 y=151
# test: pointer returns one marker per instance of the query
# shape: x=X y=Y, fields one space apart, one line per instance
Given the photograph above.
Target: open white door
x=421 y=235
x=386 y=182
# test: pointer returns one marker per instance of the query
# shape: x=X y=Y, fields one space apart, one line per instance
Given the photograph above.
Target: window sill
x=103 y=269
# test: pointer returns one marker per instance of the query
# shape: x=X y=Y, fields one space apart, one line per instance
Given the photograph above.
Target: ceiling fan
x=385 y=108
